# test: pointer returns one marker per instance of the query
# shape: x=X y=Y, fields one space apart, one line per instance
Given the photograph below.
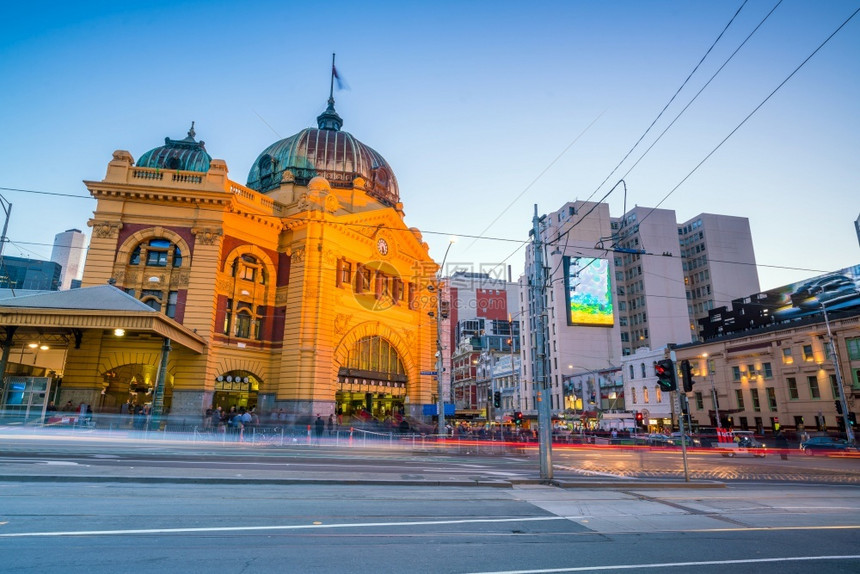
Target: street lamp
x=713 y=391
x=439 y=363
x=849 y=432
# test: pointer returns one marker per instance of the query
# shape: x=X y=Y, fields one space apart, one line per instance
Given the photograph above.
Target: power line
x=762 y=103
x=672 y=99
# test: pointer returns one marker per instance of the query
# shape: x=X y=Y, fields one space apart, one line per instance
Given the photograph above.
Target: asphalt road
x=106 y=504
x=105 y=527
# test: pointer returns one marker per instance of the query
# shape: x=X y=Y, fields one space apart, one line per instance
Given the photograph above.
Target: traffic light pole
x=849 y=431
x=682 y=409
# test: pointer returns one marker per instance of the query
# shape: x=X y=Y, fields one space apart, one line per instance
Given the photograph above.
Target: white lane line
x=670 y=564
x=283 y=527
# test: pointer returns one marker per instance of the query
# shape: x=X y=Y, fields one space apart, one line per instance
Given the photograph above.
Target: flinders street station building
x=302 y=289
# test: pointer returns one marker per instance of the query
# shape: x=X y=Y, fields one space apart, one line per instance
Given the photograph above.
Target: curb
x=565 y=484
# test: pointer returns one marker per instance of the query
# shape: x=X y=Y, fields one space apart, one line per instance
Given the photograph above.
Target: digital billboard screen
x=589 y=291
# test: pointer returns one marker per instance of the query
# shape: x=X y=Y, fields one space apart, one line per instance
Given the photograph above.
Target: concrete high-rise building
x=583 y=332
x=622 y=286
x=69 y=252
x=719 y=263
x=649 y=279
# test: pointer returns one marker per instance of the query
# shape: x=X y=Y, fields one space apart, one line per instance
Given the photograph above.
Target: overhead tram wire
x=522 y=243
x=672 y=99
x=635 y=145
x=535 y=180
x=756 y=109
x=702 y=89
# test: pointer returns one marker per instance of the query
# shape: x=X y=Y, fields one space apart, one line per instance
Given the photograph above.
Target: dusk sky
x=483 y=109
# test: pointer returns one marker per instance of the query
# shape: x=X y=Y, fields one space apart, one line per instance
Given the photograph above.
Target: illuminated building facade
x=306 y=285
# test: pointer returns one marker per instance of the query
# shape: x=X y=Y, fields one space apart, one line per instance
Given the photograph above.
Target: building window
x=771 y=398
x=700 y=404
x=642 y=368
x=645 y=395
x=633 y=394
x=768 y=370
x=243 y=325
x=792 y=388
x=755 y=400
x=172 y=296
x=787 y=359
x=814 y=392
x=751 y=371
x=632 y=373
x=659 y=394
x=853 y=346
x=736 y=373
x=807 y=353
x=739 y=395
x=834 y=386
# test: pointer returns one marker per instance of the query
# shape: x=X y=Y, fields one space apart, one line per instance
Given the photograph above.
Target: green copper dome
x=329 y=152
x=185 y=155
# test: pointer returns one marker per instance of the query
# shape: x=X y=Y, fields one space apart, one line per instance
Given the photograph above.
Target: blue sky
x=483 y=109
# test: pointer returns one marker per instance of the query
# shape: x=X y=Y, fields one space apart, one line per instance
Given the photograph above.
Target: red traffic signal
x=665 y=371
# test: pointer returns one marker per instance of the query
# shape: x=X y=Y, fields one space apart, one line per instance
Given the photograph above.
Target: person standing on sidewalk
x=319 y=427
x=781 y=443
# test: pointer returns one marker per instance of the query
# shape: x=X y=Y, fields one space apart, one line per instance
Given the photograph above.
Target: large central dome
x=329 y=152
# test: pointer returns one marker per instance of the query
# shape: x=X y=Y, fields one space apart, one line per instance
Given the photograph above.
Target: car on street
x=675 y=439
x=826 y=445
x=743 y=442
x=657 y=439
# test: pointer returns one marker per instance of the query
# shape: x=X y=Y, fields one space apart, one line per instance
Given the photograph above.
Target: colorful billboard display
x=588 y=291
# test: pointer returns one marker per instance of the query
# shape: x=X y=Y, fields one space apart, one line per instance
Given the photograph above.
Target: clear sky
x=483 y=109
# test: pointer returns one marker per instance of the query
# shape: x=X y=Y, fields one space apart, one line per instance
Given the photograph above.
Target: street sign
x=433 y=373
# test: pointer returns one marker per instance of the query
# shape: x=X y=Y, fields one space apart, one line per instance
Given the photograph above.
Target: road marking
x=671 y=564
x=283 y=527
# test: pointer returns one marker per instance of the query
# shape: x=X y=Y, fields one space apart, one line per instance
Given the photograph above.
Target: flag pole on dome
x=333 y=76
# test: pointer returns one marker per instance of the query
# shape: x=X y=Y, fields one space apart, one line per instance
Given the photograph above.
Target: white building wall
x=69 y=252
x=641 y=392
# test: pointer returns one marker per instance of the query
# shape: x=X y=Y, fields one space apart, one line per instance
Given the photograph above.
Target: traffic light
x=687 y=376
x=518 y=418
x=497 y=399
x=640 y=420
x=665 y=371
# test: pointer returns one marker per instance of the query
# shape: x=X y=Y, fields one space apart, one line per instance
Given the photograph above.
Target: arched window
x=633 y=394
x=375 y=354
x=156 y=253
x=645 y=394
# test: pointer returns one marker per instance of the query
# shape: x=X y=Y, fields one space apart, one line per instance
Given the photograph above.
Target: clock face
x=382 y=247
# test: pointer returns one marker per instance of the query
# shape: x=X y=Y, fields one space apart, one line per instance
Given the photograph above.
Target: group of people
x=235 y=421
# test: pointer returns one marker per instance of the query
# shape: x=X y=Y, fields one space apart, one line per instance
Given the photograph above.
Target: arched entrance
x=135 y=383
x=236 y=388
x=371 y=382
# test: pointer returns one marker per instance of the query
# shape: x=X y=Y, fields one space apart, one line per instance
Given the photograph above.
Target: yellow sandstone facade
x=306 y=285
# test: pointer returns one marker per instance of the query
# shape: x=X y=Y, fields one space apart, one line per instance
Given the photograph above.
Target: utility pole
x=538 y=296
x=849 y=432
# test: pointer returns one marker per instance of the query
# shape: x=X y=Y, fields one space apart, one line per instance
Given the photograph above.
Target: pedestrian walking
x=319 y=427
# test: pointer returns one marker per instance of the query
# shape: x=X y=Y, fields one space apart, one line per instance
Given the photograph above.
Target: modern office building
x=719 y=263
x=69 y=252
x=29 y=274
x=616 y=285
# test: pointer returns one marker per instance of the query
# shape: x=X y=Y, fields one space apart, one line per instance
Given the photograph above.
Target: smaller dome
x=186 y=155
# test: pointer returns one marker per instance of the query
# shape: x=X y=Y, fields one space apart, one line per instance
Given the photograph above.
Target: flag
x=341 y=83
